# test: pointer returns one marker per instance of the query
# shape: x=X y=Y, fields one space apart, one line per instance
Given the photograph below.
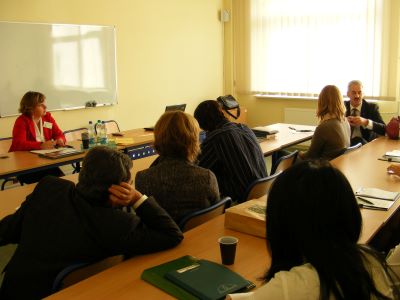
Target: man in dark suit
x=60 y=224
x=364 y=117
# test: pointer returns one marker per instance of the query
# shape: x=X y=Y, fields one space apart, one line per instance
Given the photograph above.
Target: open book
x=375 y=198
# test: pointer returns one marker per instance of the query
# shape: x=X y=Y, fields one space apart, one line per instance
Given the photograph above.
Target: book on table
x=264 y=131
x=375 y=198
x=57 y=153
x=191 y=278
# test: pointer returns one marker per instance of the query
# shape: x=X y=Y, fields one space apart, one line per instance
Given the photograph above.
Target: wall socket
x=225 y=16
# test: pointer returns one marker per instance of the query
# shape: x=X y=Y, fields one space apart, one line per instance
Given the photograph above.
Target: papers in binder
x=377 y=193
x=373 y=203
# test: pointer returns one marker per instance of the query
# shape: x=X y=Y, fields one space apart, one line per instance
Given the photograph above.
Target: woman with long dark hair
x=313 y=225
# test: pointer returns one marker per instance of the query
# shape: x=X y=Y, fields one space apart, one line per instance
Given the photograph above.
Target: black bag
x=228 y=103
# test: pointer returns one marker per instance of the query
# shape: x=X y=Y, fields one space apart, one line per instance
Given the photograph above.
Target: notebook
x=157 y=276
x=175 y=107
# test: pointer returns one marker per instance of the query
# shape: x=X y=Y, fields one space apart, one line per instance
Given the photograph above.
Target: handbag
x=392 y=128
x=228 y=103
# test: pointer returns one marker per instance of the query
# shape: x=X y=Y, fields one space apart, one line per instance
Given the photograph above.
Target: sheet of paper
x=377 y=193
x=374 y=203
x=395 y=153
x=124 y=141
x=51 y=150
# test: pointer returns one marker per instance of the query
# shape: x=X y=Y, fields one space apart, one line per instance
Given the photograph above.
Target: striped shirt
x=232 y=152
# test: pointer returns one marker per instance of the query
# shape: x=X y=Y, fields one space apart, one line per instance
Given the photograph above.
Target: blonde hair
x=330 y=102
x=176 y=134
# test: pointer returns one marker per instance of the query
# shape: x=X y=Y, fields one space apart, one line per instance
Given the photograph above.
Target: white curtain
x=298 y=47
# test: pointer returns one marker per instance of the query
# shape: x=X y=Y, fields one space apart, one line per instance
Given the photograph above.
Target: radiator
x=301 y=116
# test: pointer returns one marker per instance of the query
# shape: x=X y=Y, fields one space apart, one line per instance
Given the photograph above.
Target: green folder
x=191 y=278
x=156 y=276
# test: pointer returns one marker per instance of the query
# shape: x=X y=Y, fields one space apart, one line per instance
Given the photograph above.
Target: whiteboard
x=73 y=65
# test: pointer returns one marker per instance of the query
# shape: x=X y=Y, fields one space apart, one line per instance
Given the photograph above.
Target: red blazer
x=24 y=136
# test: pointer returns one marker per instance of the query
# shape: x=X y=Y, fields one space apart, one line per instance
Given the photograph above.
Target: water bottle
x=97 y=130
x=92 y=134
x=103 y=134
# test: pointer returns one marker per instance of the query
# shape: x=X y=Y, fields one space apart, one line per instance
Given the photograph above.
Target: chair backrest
x=111 y=126
x=5 y=144
x=199 y=217
x=79 y=271
x=352 y=148
x=284 y=162
x=74 y=134
x=260 y=187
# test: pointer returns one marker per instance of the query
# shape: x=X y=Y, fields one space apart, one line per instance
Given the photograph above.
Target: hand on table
x=60 y=142
x=47 y=145
x=394 y=169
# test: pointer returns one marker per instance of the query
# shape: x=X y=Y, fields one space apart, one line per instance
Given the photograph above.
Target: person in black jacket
x=60 y=224
x=364 y=117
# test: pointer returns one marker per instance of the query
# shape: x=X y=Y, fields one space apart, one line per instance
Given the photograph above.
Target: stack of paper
x=392 y=156
x=376 y=198
x=124 y=141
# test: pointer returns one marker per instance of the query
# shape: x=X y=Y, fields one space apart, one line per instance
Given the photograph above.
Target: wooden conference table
x=286 y=137
x=22 y=162
x=361 y=167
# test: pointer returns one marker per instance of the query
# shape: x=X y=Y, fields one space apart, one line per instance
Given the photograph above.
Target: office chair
x=74 y=135
x=80 y=271
x=199 y=217
x=111 y=126
x=284 y=162
x=5 y=144
x=352 y=148
x=260 y=187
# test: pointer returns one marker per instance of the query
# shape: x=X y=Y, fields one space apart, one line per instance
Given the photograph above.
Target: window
x=298 y=47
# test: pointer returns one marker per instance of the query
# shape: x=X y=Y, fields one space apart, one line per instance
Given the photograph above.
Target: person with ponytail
x=313 y=225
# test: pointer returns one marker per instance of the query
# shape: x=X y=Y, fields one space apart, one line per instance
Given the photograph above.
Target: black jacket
x=56 y=227
x=369 y=111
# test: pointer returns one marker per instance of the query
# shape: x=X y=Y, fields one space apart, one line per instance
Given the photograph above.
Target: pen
x=300 y=130
x=365 y=200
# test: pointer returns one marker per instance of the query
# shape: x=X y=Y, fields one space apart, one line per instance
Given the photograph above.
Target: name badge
x=47 y=125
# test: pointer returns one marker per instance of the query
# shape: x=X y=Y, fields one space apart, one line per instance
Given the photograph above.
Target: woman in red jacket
x=36 y=129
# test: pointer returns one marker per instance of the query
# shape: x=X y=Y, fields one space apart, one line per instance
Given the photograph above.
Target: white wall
x=168 y=52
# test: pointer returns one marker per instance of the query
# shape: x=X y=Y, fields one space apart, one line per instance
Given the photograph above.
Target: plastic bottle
x=97 y=131
x=92 y=134
x=103 y=134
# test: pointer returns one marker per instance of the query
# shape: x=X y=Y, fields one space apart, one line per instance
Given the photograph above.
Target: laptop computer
x=175 y=107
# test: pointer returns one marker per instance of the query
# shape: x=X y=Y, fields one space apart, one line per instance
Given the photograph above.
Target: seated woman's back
x=177 y=184
x=312 y=232
x=332 y=135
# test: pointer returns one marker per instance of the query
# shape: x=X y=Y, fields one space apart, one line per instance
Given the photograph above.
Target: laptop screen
x=180 y=107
